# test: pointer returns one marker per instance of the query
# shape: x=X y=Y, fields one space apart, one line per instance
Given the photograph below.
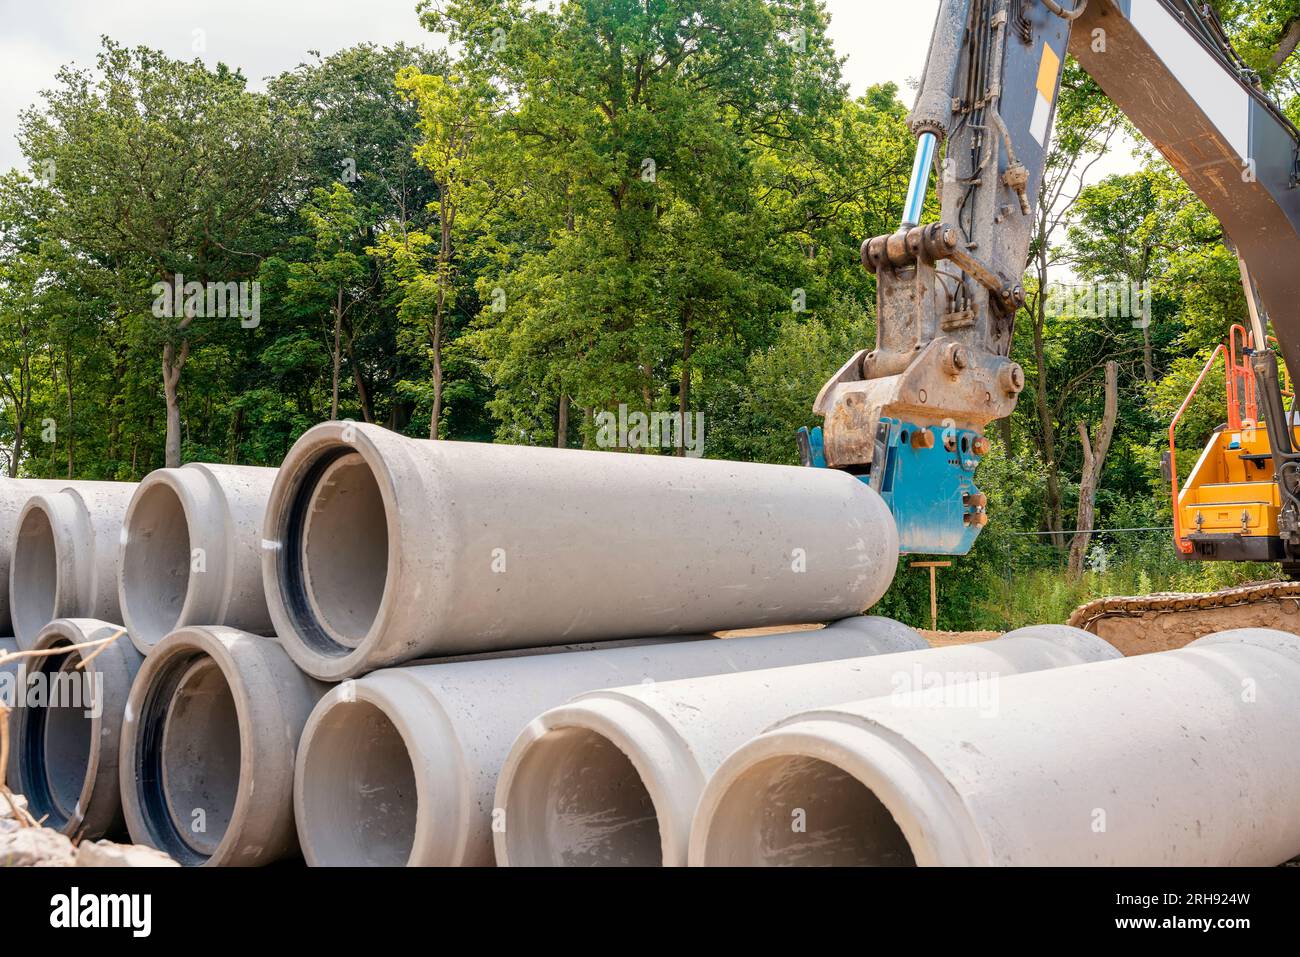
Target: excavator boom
x=908 y=415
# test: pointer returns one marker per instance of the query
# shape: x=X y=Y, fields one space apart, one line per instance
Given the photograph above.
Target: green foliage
x=655 y=204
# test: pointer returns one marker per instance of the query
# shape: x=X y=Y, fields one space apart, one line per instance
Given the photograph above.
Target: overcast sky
x=266 y=37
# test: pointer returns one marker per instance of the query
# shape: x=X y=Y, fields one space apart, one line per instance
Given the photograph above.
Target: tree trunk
x=444 y=277
x=435 y=418
x=1046 y=423
x=367 y=411
x=237 y=426
x=1047 y=442
x=562 y=423
x=338 y=354
x=1148 y=360
x=684 y=387
x=17 y=454
x=1094 y=460
x=69 y=431
x=1290 y=40
x=173 y=363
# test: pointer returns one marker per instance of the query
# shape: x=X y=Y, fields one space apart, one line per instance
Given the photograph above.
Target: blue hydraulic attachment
x=927 y=480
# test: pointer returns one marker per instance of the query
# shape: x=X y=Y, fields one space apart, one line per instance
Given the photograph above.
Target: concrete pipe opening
x=34 y=572
x=156 y=563
x=798 y=811
x=57 y=740
x=335 y=568
x=200 y=757
x=358 y=790
x=189 y=758
x=576 y=800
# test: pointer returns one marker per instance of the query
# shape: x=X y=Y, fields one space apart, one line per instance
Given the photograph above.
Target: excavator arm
x=908 y=416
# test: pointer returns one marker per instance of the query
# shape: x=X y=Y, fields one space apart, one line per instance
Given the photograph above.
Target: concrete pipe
x=191 y=551
x=208 y=749
x=64 y=562
x=68 y=732
x=382 y=549
x=613 y=777
x=399 y=767
x=14 y=494
x=1182 y=758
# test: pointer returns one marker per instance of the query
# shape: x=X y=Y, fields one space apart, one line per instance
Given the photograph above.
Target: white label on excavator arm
x=1049 y=68
x=1217 y=93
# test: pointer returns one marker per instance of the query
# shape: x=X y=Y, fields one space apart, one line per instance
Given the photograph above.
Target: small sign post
x=934 y=591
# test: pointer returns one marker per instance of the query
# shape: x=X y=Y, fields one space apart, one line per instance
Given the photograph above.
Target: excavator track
x=1160 y=622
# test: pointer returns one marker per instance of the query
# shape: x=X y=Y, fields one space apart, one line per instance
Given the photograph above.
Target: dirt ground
x=1165 y=631
x=937 y=639
x=942 y=639
x=1153 y=631
x=1161 y=631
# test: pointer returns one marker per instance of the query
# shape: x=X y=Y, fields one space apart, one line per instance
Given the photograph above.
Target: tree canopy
x=587 y=207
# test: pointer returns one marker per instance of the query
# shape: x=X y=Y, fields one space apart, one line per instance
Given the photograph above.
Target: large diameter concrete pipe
x=191 y=551
x=64 y=562
x=14 y=494
x=613 y=777
x=399 y=767
x=1181 y=758
x=68 y=731
x=212 y=726
x=382 y=549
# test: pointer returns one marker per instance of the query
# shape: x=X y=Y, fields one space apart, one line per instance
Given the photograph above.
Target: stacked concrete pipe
x=613 y=777
x=67 y=739
x=399 y=767
x=64 y=559
x=382 y=549
x=1182 y=758
x=14 y=494
x=191 y=551
x=208 y=747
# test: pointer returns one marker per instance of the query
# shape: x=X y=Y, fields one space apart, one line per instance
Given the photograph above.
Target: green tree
x=454 y=115
x=632 y=252
x=336 y=275
x=164 y=168
x=24 y=307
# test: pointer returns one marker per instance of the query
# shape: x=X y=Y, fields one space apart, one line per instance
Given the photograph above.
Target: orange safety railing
x=1180 y=542
x=1240 y=380
x=1243 y=405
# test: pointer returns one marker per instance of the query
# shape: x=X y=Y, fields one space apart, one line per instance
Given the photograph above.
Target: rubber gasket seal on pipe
x=67 y=752
x=209 y=744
